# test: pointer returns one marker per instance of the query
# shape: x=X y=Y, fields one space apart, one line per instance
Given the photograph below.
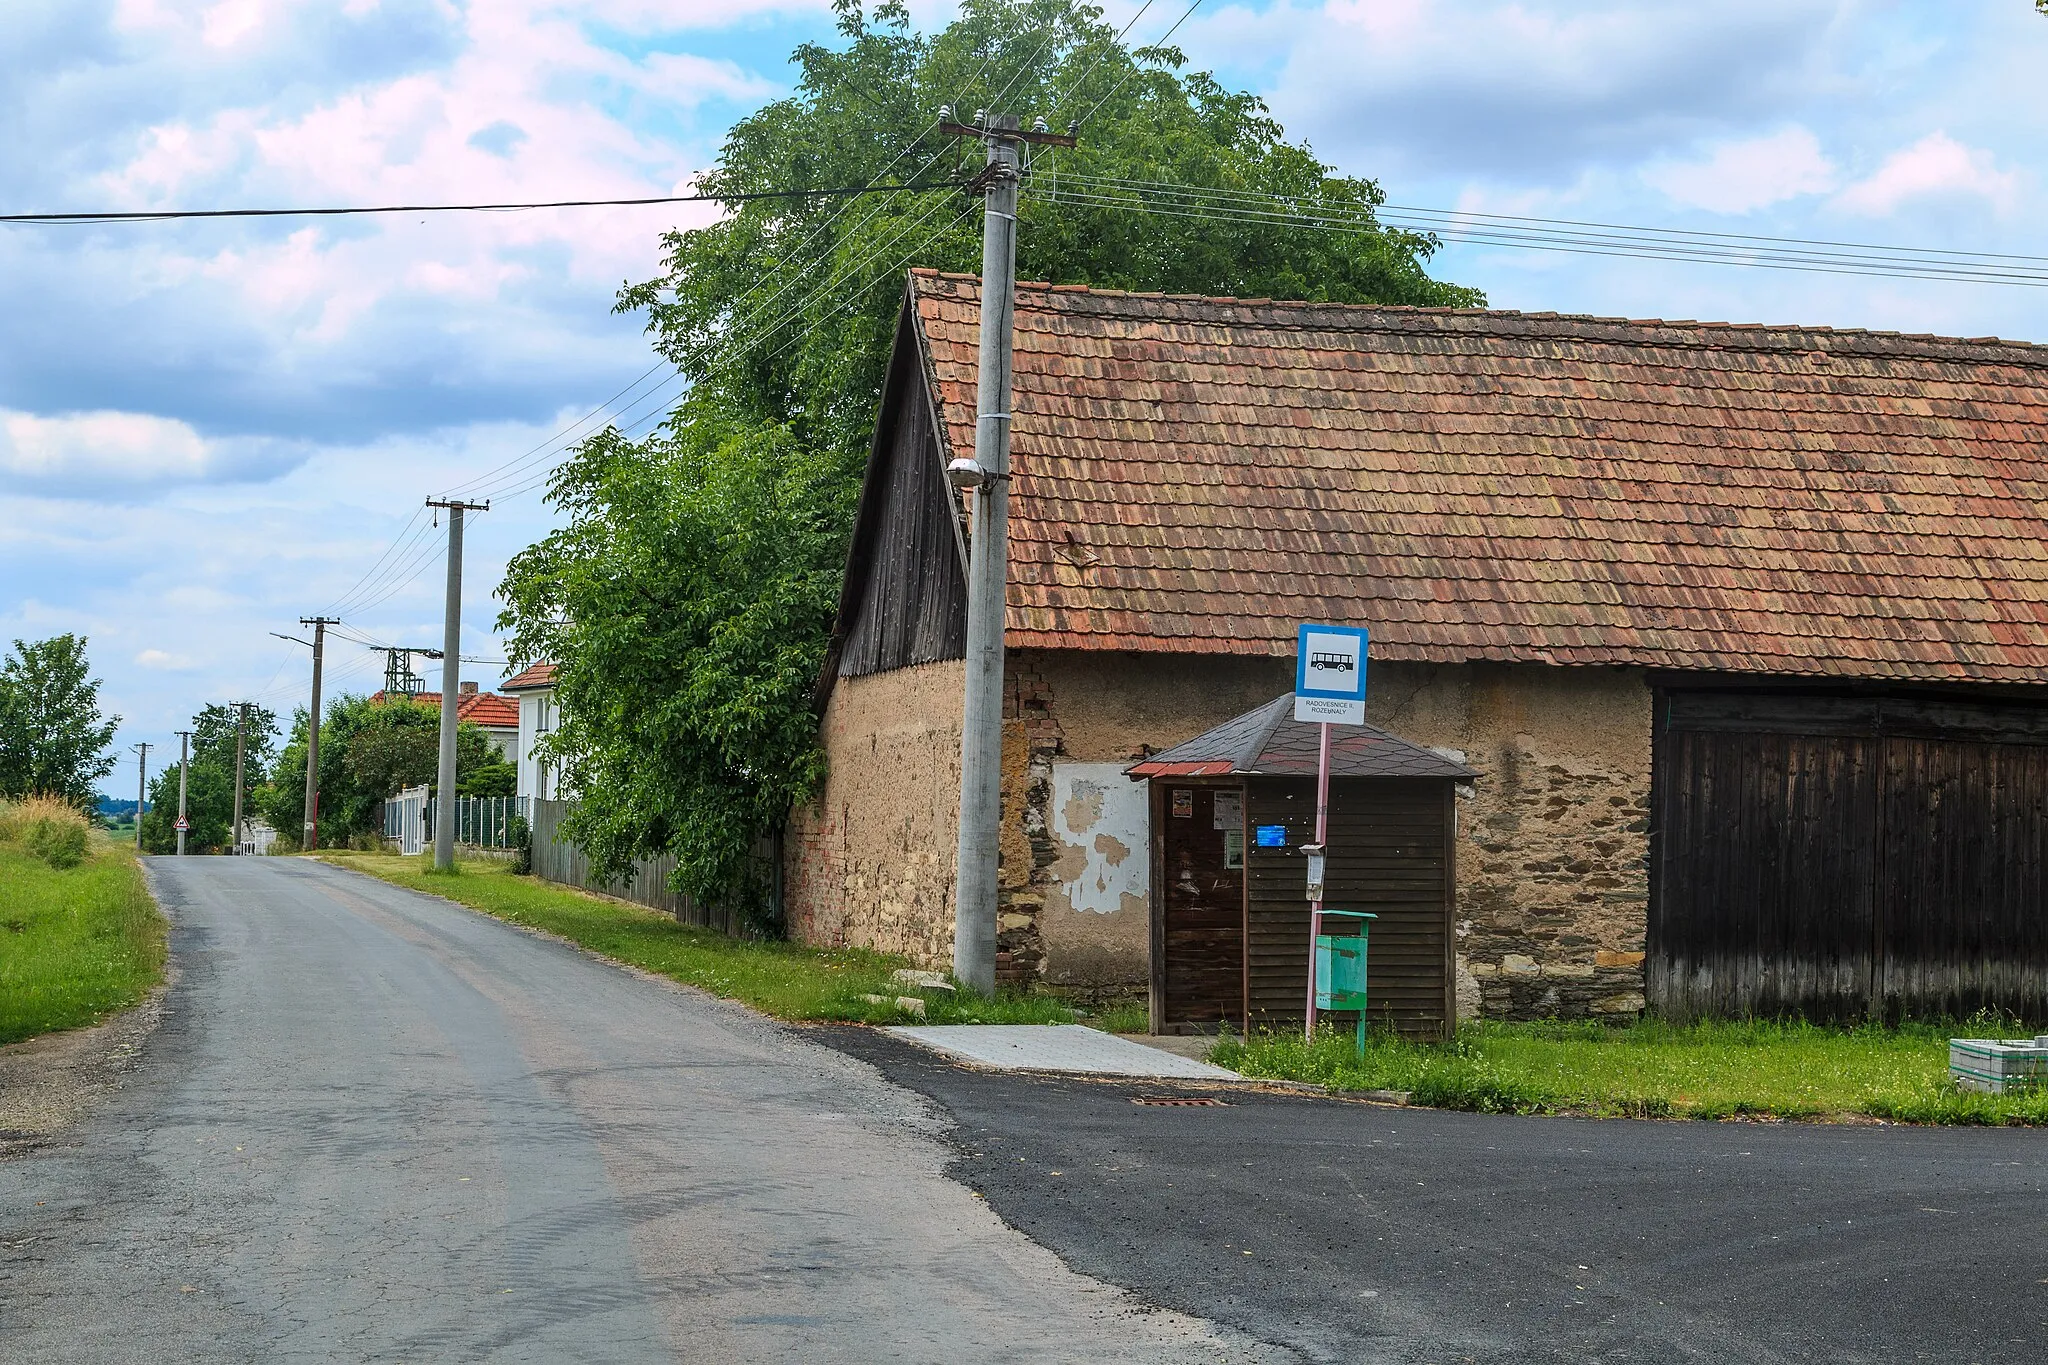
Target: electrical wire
x=1639 y=243
x=1133 y=70
x=169 y=215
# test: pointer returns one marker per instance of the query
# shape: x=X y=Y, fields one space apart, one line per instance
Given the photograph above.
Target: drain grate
x=1175 y=1102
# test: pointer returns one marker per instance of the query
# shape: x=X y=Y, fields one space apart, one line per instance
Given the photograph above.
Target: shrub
x=51 y=829
x=520 y=835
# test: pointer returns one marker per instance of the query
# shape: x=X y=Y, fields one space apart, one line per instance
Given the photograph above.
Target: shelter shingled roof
x=1271 y=742
x=1196 y=474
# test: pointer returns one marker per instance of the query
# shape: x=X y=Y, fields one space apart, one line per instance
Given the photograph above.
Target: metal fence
x=480 y=821
x=556 y=859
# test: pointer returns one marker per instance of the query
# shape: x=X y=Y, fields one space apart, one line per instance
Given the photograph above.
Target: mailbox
x=1340 y=969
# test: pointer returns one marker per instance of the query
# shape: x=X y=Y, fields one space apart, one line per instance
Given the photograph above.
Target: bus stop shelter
x=1230 y=811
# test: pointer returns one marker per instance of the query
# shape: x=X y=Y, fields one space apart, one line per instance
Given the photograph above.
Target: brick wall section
x=869 y=862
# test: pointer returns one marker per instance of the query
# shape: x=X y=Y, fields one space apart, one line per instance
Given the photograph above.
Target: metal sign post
x=1329 y=689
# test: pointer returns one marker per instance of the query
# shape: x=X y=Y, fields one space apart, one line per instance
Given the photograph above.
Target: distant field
x=75 y=944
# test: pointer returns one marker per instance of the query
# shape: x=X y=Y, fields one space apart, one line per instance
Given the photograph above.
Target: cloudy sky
x=209 y=430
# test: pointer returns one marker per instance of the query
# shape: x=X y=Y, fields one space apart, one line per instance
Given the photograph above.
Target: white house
x=534 y=689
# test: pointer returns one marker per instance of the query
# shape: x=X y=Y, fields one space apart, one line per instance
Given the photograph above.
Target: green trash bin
x=1340 y=969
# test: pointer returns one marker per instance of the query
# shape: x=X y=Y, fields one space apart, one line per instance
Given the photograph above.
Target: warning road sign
x=182 y=825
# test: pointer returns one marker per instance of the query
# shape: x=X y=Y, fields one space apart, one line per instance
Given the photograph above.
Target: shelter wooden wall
x=1843 y=856
x=1391 y=851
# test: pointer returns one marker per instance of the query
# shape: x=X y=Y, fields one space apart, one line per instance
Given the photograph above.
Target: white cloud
x=159 y=661
x=1526 y=91
x=1935 y=166
x=101 y=445
x=1743 y=176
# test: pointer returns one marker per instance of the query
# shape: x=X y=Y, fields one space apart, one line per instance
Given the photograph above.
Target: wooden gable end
x=905 y=597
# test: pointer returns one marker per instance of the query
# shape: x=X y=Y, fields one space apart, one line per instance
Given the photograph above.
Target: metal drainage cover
x=1177 y=1103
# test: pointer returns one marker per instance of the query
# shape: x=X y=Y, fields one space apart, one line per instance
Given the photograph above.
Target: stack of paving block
x=1998 y=1067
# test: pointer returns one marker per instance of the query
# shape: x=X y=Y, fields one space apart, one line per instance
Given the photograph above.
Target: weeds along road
x=1349 y=1232
x=377 y=1126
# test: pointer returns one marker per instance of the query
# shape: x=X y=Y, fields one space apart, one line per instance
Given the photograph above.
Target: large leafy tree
x=210 y=782
x=687 y=601
x=53 y=739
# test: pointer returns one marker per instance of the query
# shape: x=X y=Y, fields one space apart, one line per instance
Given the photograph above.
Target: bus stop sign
x=1329 y=675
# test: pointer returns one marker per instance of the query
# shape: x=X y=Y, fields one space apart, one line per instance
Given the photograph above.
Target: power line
x=1111 y=94
x=1160 y=197
x=733 y=197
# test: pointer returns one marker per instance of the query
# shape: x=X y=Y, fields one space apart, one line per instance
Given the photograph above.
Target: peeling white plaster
x=1102 y=826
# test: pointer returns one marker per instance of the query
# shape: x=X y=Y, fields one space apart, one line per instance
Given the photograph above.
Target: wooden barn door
x=1200 y=891
x=1835 y=857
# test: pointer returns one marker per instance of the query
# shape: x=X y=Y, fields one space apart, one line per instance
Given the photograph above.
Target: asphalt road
x=1366 y=1233
x=376 y=1126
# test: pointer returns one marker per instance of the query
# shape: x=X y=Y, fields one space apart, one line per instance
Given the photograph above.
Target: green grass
x=786 y=980
x=1656 y=1070
x=75 y=944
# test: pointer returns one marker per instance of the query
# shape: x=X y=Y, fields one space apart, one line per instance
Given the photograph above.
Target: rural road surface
x=1364 y=1233
x=375 y=1126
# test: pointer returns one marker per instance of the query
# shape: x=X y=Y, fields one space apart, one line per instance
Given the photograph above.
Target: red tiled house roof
x=487 y=709
x=530 y=679
x=1196 y=474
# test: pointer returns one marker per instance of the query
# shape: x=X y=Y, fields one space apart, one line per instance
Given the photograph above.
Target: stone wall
x=1069 y=709
x=1553 y=843
x=1552 y=839
x=869 y=862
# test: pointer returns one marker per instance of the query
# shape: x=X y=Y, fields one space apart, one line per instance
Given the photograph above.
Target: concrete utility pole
x=988 y=475
x=241 y=742
x=310 y=839
x=184 y=767
x=141 y=788
x=451 y=683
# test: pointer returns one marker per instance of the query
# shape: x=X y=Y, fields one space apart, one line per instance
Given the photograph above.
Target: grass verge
x=1656 y=1070
x=786 y=980
x=76 y=943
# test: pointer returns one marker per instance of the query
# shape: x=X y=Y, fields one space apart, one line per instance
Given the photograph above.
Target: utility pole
x=184 y=768
x=988 y=475
x=310 y=840
x=141 y=788
x=451 y=682
x=241 y=742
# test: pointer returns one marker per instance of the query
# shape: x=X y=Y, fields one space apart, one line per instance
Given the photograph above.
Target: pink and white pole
x=1315 y=907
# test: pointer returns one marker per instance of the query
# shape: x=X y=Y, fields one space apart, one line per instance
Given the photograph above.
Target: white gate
x=405 y=819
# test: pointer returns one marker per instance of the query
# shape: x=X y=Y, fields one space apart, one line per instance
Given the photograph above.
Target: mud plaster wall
x=1553 y=842
x=1083 y=708
x=869 y=862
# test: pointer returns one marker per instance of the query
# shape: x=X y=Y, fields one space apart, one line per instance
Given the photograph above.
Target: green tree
x=687 y=600
x=369 y=750
x=210 y=787
x=52 y=737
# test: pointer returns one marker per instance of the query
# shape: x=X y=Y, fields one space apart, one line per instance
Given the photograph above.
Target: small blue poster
x=1272 y=836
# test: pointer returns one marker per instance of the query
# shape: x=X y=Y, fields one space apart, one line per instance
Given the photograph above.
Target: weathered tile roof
x=487 y=709
x=1270 y=741
x=530 y=679
x=1200 y=474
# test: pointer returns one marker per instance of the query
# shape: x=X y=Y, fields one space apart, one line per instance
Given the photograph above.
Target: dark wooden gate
x=1843 y=856
x=1201 y=890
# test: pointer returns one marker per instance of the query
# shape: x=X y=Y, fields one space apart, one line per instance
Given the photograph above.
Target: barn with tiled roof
x=1744 y=629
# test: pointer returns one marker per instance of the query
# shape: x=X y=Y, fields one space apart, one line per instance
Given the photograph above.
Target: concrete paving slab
x=1058 y=1047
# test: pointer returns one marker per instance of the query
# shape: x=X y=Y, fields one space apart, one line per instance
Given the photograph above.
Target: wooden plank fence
x=556 y=859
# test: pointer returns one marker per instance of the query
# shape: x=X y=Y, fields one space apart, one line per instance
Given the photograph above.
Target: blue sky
x=209 y=430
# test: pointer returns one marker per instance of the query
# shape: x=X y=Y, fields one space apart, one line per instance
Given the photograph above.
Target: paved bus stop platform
x=1071 y=1048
